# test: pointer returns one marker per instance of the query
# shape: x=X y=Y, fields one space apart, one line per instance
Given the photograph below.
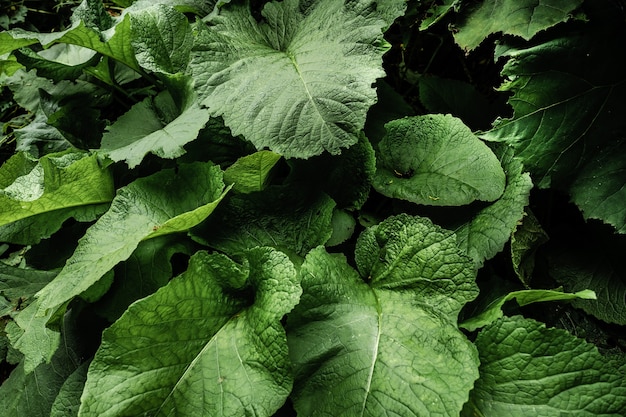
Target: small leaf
x=527 y=369
x=512 y=17
x=226 y=357
x=436 y=160
x=525 y=240
x=251 y=172
x=523 y=297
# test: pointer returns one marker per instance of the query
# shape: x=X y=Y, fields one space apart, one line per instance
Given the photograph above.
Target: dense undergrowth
x=312 y=207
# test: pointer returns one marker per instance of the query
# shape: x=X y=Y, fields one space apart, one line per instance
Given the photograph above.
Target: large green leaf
x=298 y=82
x=488 y=231
x=163 y=203
x=385 y=342
x=566 y=93
x=221 y=352
x=529 y=370
x=37 y=196
x=156 y=125
x=436 y=160
x=512 y=17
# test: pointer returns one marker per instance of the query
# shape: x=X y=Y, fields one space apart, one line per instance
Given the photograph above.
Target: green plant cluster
x=314 y=208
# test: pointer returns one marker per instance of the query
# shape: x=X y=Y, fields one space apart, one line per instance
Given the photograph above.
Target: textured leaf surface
x=489 y=230
x=299 y=82
x=37 y=196
x=161 y=38
x=512 y=17
x=221 y=352
x=156 y=125
x=525 y=240
x=290 y=219
x=19 y=285
x=166 y=202
x=566 y=93
x=436 y=160
x=527 y=369
x=388 y=346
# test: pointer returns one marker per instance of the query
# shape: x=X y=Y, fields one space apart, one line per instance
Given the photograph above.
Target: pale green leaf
x=300 y=81
x=379 y=346
x=488 y=231
x=251 y=172
x=155 y=125
x=161 y=37
x=168 y=200
x=523 y=18
x=226 y=357
x=529 y=370
x=523 y=297
x=436 y=160
x=48 y=191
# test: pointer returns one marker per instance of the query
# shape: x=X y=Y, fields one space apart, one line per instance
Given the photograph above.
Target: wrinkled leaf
x=527 y=369
x=525 y=240
x=48 y=191
x=226 y=357
x=161 y=38
x=319 y=60
x=436 y=160
x=164 y=203
x=388 y=346
x=286 y=218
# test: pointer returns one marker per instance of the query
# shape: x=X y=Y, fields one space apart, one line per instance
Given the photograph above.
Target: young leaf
x=566 y=93
x=46 y=192
x=156 y=125
x=166 y=202
x=527 y=369
x=251 y=172
x=512 y=17
x=523 y=297
x=487 y=233
x=299 y=82
x=389 y=346
x=436 y=160
x=525 y=240
x=221 y=352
